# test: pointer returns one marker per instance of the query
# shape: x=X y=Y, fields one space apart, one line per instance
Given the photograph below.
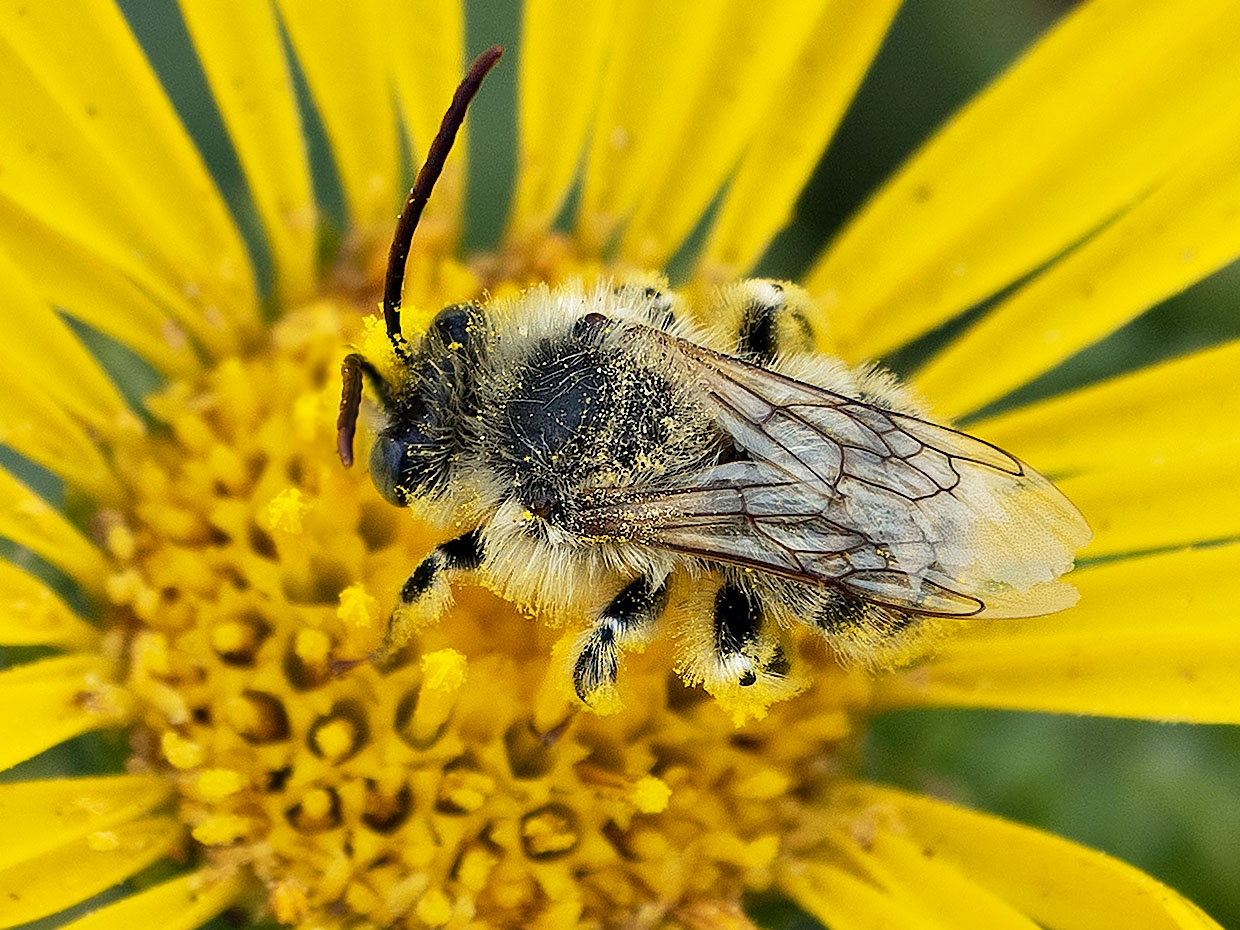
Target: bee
x=601 y=449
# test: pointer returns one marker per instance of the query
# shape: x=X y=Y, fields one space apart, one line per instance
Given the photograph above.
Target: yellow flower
x=225 y=561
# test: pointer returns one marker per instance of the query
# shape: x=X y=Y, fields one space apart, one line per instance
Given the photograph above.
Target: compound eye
x=452 y=324
x=390 y=467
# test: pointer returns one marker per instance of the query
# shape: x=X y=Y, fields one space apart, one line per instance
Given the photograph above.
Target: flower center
x=460 y=782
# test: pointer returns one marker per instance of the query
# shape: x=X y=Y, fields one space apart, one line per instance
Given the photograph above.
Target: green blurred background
x=1164 y=797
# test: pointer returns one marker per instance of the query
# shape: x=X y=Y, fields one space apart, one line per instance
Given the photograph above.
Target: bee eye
x=390 y=465
x=453 y=324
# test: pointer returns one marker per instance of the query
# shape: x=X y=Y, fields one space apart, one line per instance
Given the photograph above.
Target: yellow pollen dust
x=460 y=783
x=335 y=740
x=182 y=753
x=650 y=795
x=221 y=830
x=357 y=608
x=103 y=841
x=286 y=511
x=215 y=784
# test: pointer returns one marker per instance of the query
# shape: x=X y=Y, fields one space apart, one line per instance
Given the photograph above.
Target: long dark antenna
x=436 y=156
x=354 y=365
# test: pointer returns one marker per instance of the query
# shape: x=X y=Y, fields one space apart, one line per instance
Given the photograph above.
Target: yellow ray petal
x=82 y=868
x=753 y=53
x=36 y=426
x=1092 y=117
x=101 y=153
x=794 y=131
x=181 y=904
x=426 y=49
x=242 y=54
x=1056 y=882
x=342 y=50
x=30 y=521
x=1175 y=501
x=658 y=61
x=1184 y=230
x=45 y=350
x=66 y=275
x=40 y=816
x=843 y=901
x=940 y=889
x=32 y=614
x=564 y=48
x=1152 y=637
x=59 y=698
x=1188 y=406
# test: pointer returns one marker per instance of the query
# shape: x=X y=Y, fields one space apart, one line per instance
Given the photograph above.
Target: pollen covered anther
x=236 y=641
x=550 y=831
x=259 y=717
x=318 y=809
x=340 y=734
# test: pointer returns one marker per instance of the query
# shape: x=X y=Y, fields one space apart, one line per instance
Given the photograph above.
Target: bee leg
x=629 y=613
x=770 y=319
x=738 y=620
x=651 y=295
x=425 y=594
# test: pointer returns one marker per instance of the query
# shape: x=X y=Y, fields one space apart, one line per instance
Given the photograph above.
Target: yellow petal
x=1092 y=117
x=1175 y=501
x=102 y=156
x=68 y=276
x=1188 y=406
x=1184 y=230
x=59 y=698
x=40 y=816
x=1055 y=882
x=37 y=427
x=659 y=55
x=426 y=51
x=1152 y=637
x=82 y=868
x=924 y=882
x=564 y=47
x=750 y=59
x=30 y=521
x=342 y=48
x=181 y=904
x=32 y=614
x=795 y=129
x=42 y=347
x=843 y=901
x=242 y=54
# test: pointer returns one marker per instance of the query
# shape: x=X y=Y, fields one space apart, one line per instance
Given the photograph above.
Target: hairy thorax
x=567 y=408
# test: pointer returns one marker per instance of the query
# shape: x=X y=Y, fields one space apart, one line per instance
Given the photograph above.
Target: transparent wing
x=889 y=507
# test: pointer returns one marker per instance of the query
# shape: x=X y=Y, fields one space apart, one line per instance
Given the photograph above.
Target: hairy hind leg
x=743 y=647
x=732 y=644
x=629 y=614
x=651 y=293
x=766 y=319
x=426 y=594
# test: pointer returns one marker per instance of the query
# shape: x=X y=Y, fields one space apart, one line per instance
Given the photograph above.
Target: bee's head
x=431 y=413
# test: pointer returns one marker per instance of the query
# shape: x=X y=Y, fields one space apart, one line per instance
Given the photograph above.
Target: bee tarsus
x=629 y=614
x=737 y=622
x=772 y=320
x=426 y=592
